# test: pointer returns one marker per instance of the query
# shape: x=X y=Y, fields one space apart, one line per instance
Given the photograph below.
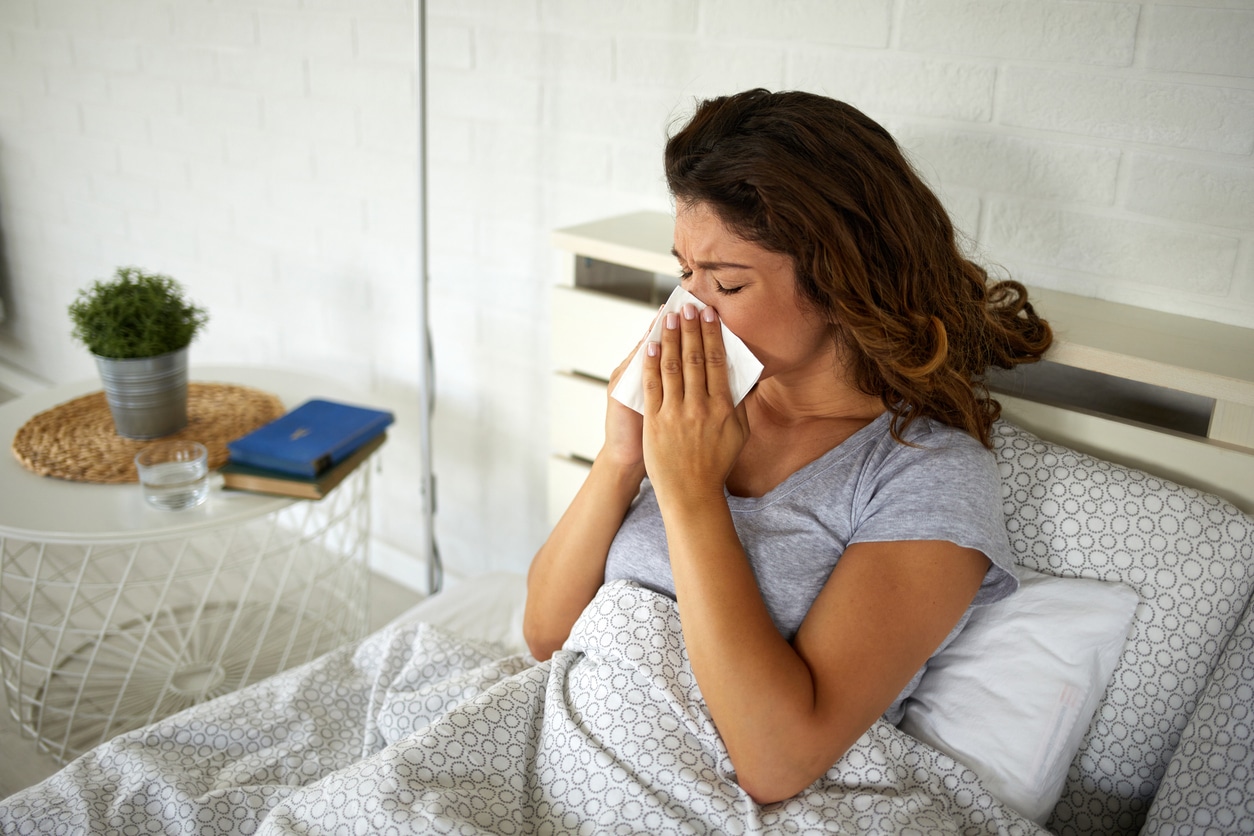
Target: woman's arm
x=569 y=568
x=786 y=712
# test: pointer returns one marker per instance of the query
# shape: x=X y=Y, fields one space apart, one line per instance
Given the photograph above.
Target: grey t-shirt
x=870 y=488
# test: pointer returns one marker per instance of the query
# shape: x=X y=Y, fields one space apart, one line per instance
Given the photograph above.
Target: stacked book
x=306 y=452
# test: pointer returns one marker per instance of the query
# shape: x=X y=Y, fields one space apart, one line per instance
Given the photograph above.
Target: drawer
x=565 y=478
x=594 y=332
x=576 y=415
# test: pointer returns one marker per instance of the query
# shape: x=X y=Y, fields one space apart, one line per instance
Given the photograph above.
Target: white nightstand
x=114 y=614
x=618 y=273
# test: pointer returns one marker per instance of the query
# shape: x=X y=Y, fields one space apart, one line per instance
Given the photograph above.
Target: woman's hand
x=623 y=425
x=692 y=432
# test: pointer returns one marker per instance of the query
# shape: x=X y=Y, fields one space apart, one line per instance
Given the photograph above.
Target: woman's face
x=754 y=291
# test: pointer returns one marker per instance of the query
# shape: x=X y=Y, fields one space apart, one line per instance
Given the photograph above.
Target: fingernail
x=707 y=314
x=650 y=348
x=672 y=322
x=690 y=311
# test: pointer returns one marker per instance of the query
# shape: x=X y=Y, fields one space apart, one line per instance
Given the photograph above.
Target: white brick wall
x=882 y=83
x=1118 y=107
x=262 y=152
x=1055 y=31
x=1199 y=39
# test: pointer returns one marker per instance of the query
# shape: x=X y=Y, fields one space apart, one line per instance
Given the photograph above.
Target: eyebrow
x=711 y=265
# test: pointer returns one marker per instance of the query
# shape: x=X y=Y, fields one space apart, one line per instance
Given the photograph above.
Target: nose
x=698 y=288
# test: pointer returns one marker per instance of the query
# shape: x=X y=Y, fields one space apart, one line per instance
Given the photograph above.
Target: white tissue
x=743 y=368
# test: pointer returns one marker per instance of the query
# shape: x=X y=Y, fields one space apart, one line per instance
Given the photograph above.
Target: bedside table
x=615 y=275
x=114 y=614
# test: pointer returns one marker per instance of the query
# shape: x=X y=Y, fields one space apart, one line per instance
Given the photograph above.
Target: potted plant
x=138 y=326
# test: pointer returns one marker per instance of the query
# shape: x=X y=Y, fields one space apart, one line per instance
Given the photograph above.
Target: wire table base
x=99 y=639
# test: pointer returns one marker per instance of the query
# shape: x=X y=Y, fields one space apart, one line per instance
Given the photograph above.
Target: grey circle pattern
x=1190 y=556
x=219 y=767
x=611 y=736
x=1209 y=786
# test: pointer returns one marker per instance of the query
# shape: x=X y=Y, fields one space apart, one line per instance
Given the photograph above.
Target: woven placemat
x=76 y=440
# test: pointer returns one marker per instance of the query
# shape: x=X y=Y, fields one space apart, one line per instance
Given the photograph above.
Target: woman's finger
x=691 y=351
x=717 y=375
x=618 y=372
x=651 y=375
x=670 y=360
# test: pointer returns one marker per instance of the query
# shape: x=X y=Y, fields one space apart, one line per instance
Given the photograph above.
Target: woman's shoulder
x=928 y=441
x=941 y=484
x=930 y=458
x=930 y=453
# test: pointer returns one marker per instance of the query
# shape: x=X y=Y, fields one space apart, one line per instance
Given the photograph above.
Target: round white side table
x=114 y=614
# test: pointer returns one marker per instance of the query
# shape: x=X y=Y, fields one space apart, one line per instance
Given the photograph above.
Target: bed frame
x=1169 y=394
x=1169 y=398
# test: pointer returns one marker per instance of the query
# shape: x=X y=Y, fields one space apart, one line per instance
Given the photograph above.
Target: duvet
x=413 y=730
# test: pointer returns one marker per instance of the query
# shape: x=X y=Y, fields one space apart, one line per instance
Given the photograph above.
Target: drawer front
x=565 y=478
x=594 y=332
x=576 y=415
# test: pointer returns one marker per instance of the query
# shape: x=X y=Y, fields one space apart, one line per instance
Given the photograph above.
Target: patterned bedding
x=416 y=731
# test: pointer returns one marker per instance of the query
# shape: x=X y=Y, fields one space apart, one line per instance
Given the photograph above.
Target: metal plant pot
x=147 y=395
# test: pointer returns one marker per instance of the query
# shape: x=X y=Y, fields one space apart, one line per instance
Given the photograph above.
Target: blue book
x=311 y=438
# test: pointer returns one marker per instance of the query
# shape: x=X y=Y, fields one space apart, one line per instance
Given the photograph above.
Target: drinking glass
x=174 y=474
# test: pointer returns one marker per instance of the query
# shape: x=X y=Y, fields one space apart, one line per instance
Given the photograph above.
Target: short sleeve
x=943 y=486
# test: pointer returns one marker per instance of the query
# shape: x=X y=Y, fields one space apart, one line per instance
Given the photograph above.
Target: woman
x=829 y=534
x=822 y=539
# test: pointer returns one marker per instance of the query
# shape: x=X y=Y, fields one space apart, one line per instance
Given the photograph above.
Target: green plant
x=135 y=314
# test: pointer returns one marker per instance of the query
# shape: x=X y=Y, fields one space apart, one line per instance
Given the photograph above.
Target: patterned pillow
x=1207 y=788
x=1188 y=554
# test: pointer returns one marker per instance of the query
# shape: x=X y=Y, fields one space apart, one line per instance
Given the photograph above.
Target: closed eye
x=725 y=290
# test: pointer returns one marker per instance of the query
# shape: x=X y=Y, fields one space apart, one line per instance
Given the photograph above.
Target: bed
x=1113 y=695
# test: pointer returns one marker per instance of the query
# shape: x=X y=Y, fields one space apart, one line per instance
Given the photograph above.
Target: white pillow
x=1013 y=695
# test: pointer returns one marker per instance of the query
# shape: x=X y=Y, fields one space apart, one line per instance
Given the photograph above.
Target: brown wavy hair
x=873 y=249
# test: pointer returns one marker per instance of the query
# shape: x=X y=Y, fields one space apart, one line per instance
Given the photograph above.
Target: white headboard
x=1189 y=417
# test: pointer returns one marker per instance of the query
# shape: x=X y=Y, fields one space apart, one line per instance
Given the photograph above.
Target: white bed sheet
x=485 y=608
